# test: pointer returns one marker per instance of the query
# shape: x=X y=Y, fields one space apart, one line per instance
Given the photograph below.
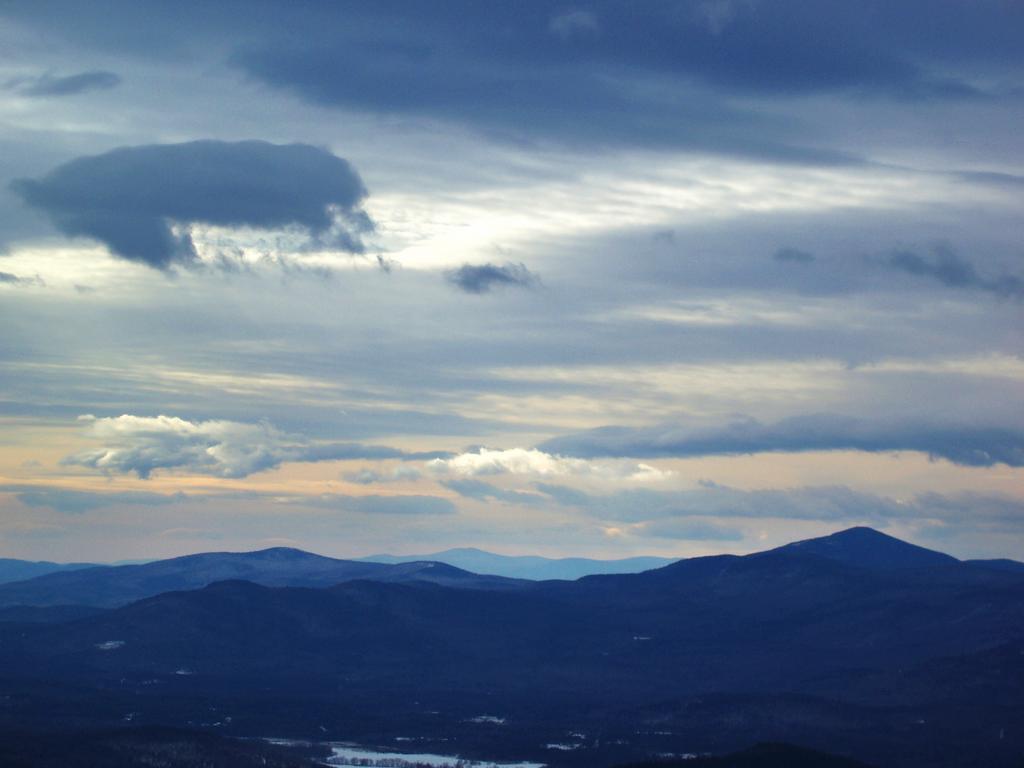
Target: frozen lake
x=354 y=754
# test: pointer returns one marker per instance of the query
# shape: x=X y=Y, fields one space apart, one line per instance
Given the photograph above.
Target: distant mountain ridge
x=19 y=570
x=107 y=586
x=114 y=585
x=532 y=567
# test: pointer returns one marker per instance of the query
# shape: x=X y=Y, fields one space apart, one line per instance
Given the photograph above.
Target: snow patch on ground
x=563 y=747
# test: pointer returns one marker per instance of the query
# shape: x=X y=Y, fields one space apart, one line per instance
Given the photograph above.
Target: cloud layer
x=668 y=217
x=967 y=444
x=131 y=198
x=837 y=504
x=615 y=72
x=143 y=444
x=71 y=501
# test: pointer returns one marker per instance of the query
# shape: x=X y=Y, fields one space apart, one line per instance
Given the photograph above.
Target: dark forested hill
x=151 y=747
x=760 y=756
x=902 y=665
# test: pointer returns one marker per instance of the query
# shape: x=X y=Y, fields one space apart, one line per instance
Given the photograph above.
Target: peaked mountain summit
x=867 y=548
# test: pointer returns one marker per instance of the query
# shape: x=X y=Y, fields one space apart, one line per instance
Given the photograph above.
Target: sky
x=572 y=279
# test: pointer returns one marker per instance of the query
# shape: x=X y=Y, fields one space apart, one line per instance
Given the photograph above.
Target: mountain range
x=113 y=585
x=528 y=566
x=855 y=643
x=17 y=570
x=477 y=561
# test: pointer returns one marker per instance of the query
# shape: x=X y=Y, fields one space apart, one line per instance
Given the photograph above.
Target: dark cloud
x=75 y=502
x=567 y=103
x=794 y=255
x=69 y=85
x=609 y=71
x=620 y=72
x=129 y=198
x=953 y=271
x=482 y=278
x=787 y=45
x=11 y=279
x=968 y=445
x=1010 y=180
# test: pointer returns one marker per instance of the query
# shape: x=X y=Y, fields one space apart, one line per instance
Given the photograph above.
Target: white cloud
x=530 y=461
x=645 y=473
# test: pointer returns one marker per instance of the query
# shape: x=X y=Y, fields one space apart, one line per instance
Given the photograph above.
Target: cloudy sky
x=599 y=278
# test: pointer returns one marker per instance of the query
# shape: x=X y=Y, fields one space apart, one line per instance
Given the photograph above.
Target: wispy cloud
x=66 y=85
